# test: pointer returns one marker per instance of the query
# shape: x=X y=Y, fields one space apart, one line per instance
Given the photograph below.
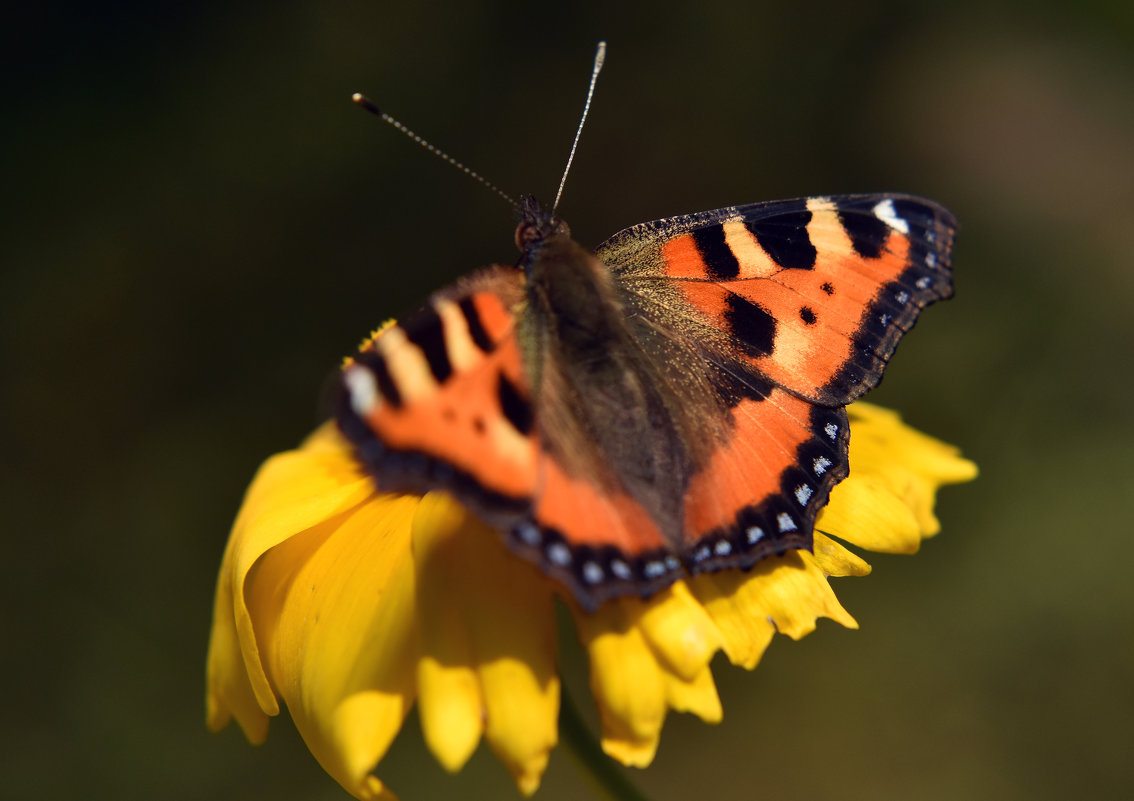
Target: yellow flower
x=349 y=605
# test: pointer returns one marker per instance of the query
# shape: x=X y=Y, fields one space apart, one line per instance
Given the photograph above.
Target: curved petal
x=647 y=656
x=334 y=612
x=835 y=560
x=886 y=504
x=488 y=645
x=228 y=691
x=628 y=685
x=696 y=695
x=785 y=594
x=291 y=492
x=679 y=631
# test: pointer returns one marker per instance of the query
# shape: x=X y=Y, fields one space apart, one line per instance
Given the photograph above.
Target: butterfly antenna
x=368 y=104
x=600 y=57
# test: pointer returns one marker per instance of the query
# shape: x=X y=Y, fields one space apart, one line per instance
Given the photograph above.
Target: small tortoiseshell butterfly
x=668 y=404
x=672 y=402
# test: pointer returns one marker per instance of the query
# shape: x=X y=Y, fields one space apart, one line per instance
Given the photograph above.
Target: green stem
x=601 y=772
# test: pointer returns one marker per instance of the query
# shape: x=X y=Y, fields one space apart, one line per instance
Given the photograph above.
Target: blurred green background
x=199 y=224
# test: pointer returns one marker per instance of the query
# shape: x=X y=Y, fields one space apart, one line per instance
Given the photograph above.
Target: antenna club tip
x=366 y=103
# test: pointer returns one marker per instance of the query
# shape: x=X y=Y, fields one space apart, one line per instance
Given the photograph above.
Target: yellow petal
x=627 y=682
x=745 y=630
x=228 y=692
x=334 y=613
x=886 y=503
x=785 y=594
x=647 y=656
x=697 y=695
x=835 y=560
x=522 y=711
x=679 y=631
x=870 y=510
x=488 y=640
x=291 y=492
x=450 y=704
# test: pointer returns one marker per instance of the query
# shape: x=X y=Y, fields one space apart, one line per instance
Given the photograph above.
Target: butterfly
x=671 y=403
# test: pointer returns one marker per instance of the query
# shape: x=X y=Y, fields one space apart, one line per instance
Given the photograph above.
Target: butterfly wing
x=442 y=400
x=812 y=293
x=802 y=303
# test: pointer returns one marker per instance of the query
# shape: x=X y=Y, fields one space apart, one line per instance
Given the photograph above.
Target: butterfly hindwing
x=761 y=490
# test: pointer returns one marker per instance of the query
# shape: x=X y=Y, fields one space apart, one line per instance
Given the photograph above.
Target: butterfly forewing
x=441 y=400
x=813 y=293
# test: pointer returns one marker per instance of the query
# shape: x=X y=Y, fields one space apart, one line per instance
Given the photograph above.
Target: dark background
x=199 y=225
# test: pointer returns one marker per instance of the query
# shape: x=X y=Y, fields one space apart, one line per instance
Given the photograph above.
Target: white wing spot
x=722 y=548
x=620 y=569
x=672 y=562
x=592 y=573
x=803 y=494
x=931 y=259
x=701 y=554
x=363 y=389
x=924 y=282
x=559 y=554
x=886 y=212
x=784 y=521
x=755 y=534
x=831 y=430
x=653 y=570
x=930 y=237
x=884 y=319
x=902 y=297
x=820 y=465
x=528 y=534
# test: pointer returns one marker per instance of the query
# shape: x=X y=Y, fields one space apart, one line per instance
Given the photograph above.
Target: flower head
x=348 y=605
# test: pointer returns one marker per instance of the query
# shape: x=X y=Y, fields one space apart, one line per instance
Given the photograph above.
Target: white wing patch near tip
x=363 y=389
x=886 y=212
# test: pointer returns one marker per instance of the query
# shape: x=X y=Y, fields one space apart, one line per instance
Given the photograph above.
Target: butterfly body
x=667 y=404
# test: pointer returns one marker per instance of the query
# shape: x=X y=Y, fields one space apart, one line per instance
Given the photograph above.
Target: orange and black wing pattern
x=799 y=304
x=813 y=293
x=440 y=400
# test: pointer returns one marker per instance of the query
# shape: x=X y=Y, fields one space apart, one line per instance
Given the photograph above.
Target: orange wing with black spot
x=813 y=293
x=440 y=400
x=800 y=304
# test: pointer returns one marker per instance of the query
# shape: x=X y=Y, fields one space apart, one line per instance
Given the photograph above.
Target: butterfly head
x=536 y=227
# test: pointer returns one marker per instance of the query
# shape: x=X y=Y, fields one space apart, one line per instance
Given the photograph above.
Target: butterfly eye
x=527 y=235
